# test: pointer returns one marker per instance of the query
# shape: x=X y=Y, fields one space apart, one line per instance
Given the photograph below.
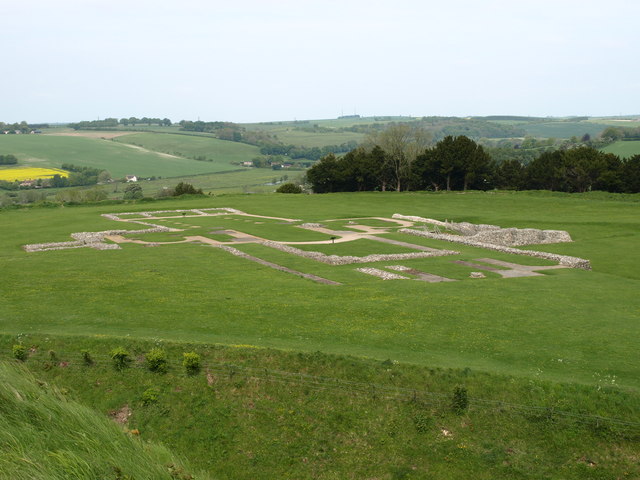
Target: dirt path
x=142 y=149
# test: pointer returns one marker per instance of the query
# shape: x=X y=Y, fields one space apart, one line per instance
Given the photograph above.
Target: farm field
x=624 y=149
x=220 y=153
x=21 y=173
x=245 y=180
x=567 y=325
x=117 y=158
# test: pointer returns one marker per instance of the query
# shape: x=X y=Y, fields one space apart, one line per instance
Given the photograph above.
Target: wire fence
x=233 y=371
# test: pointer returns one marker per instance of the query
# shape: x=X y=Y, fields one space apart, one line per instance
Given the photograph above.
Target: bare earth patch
x=122 y=415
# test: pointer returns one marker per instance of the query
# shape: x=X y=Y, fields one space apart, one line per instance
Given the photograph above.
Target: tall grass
x=43 y=435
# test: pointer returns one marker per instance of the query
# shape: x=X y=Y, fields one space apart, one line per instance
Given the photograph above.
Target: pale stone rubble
x=347 y=260
x=495 y=235
x=376 y=272
x=95 y=240
x=573 y=262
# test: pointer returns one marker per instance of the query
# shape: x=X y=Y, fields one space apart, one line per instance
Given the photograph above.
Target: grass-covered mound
x=247 y=413
x=45 y=435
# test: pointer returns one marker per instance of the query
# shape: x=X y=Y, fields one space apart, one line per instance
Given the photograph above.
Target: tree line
x=458 y=163
x=114 y=122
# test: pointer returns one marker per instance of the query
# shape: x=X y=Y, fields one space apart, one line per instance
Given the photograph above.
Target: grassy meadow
x=624 y=149
x=221 y=153
x=568 y=325
x=304 y=380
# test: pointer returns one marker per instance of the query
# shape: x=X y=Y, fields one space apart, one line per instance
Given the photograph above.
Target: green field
x=306 y=380
x=221 y=152
x=117 y=158
x=569 y=324
x=623 y=149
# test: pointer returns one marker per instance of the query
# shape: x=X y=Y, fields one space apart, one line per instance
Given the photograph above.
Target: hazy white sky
x=69 y=60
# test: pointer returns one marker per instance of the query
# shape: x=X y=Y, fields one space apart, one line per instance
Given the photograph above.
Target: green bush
x=183 y=188
x=422 y=422
x=191 y=362
x=289 y=188
x=150 y=396
x=156 y=360
x=120 y=357
x=460 y=401
x=20 y=352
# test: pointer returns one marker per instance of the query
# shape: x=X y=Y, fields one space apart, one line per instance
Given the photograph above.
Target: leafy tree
x=631 y=174
x=132 y=191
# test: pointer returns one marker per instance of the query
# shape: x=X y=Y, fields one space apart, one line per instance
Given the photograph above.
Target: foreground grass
x=261 y=414
x=44 y=435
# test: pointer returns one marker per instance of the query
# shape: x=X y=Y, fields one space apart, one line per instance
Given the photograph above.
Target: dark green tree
x=133 y=191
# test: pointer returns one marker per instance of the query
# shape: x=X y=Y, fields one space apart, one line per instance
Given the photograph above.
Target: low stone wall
x=92 y=240
x=347 y=260
x=239 y=253
x=572 y=262
x=495 y=235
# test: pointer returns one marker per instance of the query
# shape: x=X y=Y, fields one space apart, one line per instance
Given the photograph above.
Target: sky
x=276 y=60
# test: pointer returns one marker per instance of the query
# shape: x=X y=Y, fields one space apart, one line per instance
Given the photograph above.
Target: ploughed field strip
x=490 y=237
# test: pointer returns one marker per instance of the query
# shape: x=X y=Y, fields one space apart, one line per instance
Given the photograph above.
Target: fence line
x=362 y=389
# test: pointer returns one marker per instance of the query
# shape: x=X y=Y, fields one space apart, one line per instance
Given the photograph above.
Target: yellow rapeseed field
x=30 y=173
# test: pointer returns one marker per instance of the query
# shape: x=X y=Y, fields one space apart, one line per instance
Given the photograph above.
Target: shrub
x=191 y=362
x=86 y=357
x=183 y=188
x=156 y=360
x=20 y=352
x=422 y=422
x=150 y=396
x=120 y=357
x=460 y=401
x=289 y=188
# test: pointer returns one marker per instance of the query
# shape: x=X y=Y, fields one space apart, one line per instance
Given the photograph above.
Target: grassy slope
x=45 y=435
x=569 y=325
x=261 y=414
x=623 y=149
x=222 y=153
x=118 y=159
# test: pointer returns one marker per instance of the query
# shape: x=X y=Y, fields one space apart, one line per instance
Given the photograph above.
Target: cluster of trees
x=79 y=176
x=459 y=163
x=22 y=127
x=108 y=123
x=313 y=153
x=182 y=188
x=612 y=134
x=8 y=159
